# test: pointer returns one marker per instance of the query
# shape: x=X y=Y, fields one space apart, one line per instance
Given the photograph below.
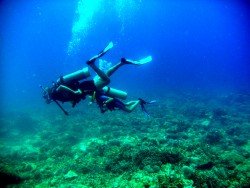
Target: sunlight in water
x=85 y=13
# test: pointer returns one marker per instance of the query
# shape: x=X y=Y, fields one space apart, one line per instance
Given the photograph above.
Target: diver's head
x=47 y=95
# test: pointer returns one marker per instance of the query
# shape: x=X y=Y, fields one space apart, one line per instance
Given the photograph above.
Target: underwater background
x=197 y=134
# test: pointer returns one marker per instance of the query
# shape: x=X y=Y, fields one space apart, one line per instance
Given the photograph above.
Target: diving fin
x=145 y=60
x=142 y=103
x=104 y=51
x=110 y=46
x=139 y=62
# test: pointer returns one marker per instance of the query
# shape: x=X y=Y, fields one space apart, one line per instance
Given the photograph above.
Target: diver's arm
x=65 y=88
x=108 y=101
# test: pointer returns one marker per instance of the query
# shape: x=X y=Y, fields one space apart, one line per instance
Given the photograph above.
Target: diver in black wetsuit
x=63 y=92
x=106 y=103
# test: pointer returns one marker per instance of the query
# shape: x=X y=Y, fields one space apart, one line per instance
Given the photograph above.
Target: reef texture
x=189 y=141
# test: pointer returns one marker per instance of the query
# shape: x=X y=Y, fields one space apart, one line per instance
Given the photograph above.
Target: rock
x=188 y=171
x=206 y=122
x=149 y=169
x=70 y=175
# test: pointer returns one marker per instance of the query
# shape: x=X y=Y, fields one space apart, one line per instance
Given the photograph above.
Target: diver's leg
x=123 y=61
x=99 y=72
x=115 y=67
x=102 y=79
x=91 y=62
x=100 y=83
x=130 y=106
x=111 y=70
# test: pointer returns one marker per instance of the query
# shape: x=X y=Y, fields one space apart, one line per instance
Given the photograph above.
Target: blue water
x=195 y=135
x=195 y=45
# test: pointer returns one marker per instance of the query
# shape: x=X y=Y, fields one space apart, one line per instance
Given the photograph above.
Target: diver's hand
x=78 y=92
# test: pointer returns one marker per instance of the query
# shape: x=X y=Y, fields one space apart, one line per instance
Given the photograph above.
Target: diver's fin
x=145 y=60
x=138 y=62
x=152 y=102
x=107 y=48
x=104 y=51
x=142 y=103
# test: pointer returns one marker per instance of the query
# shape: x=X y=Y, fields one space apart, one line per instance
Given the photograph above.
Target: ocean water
x=197 y=131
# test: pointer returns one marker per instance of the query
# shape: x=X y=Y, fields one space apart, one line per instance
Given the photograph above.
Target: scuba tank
x=115 y=93
x=77 y=75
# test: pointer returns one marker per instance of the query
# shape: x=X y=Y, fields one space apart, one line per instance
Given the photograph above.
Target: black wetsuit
x=66 y=96
x=101 y=98
x=87 y=88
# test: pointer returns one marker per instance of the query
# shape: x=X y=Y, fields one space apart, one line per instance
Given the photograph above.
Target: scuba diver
x=106 y=103
x=70 y=88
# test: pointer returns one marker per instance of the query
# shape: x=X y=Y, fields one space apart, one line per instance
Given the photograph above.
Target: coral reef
x=202 y=143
